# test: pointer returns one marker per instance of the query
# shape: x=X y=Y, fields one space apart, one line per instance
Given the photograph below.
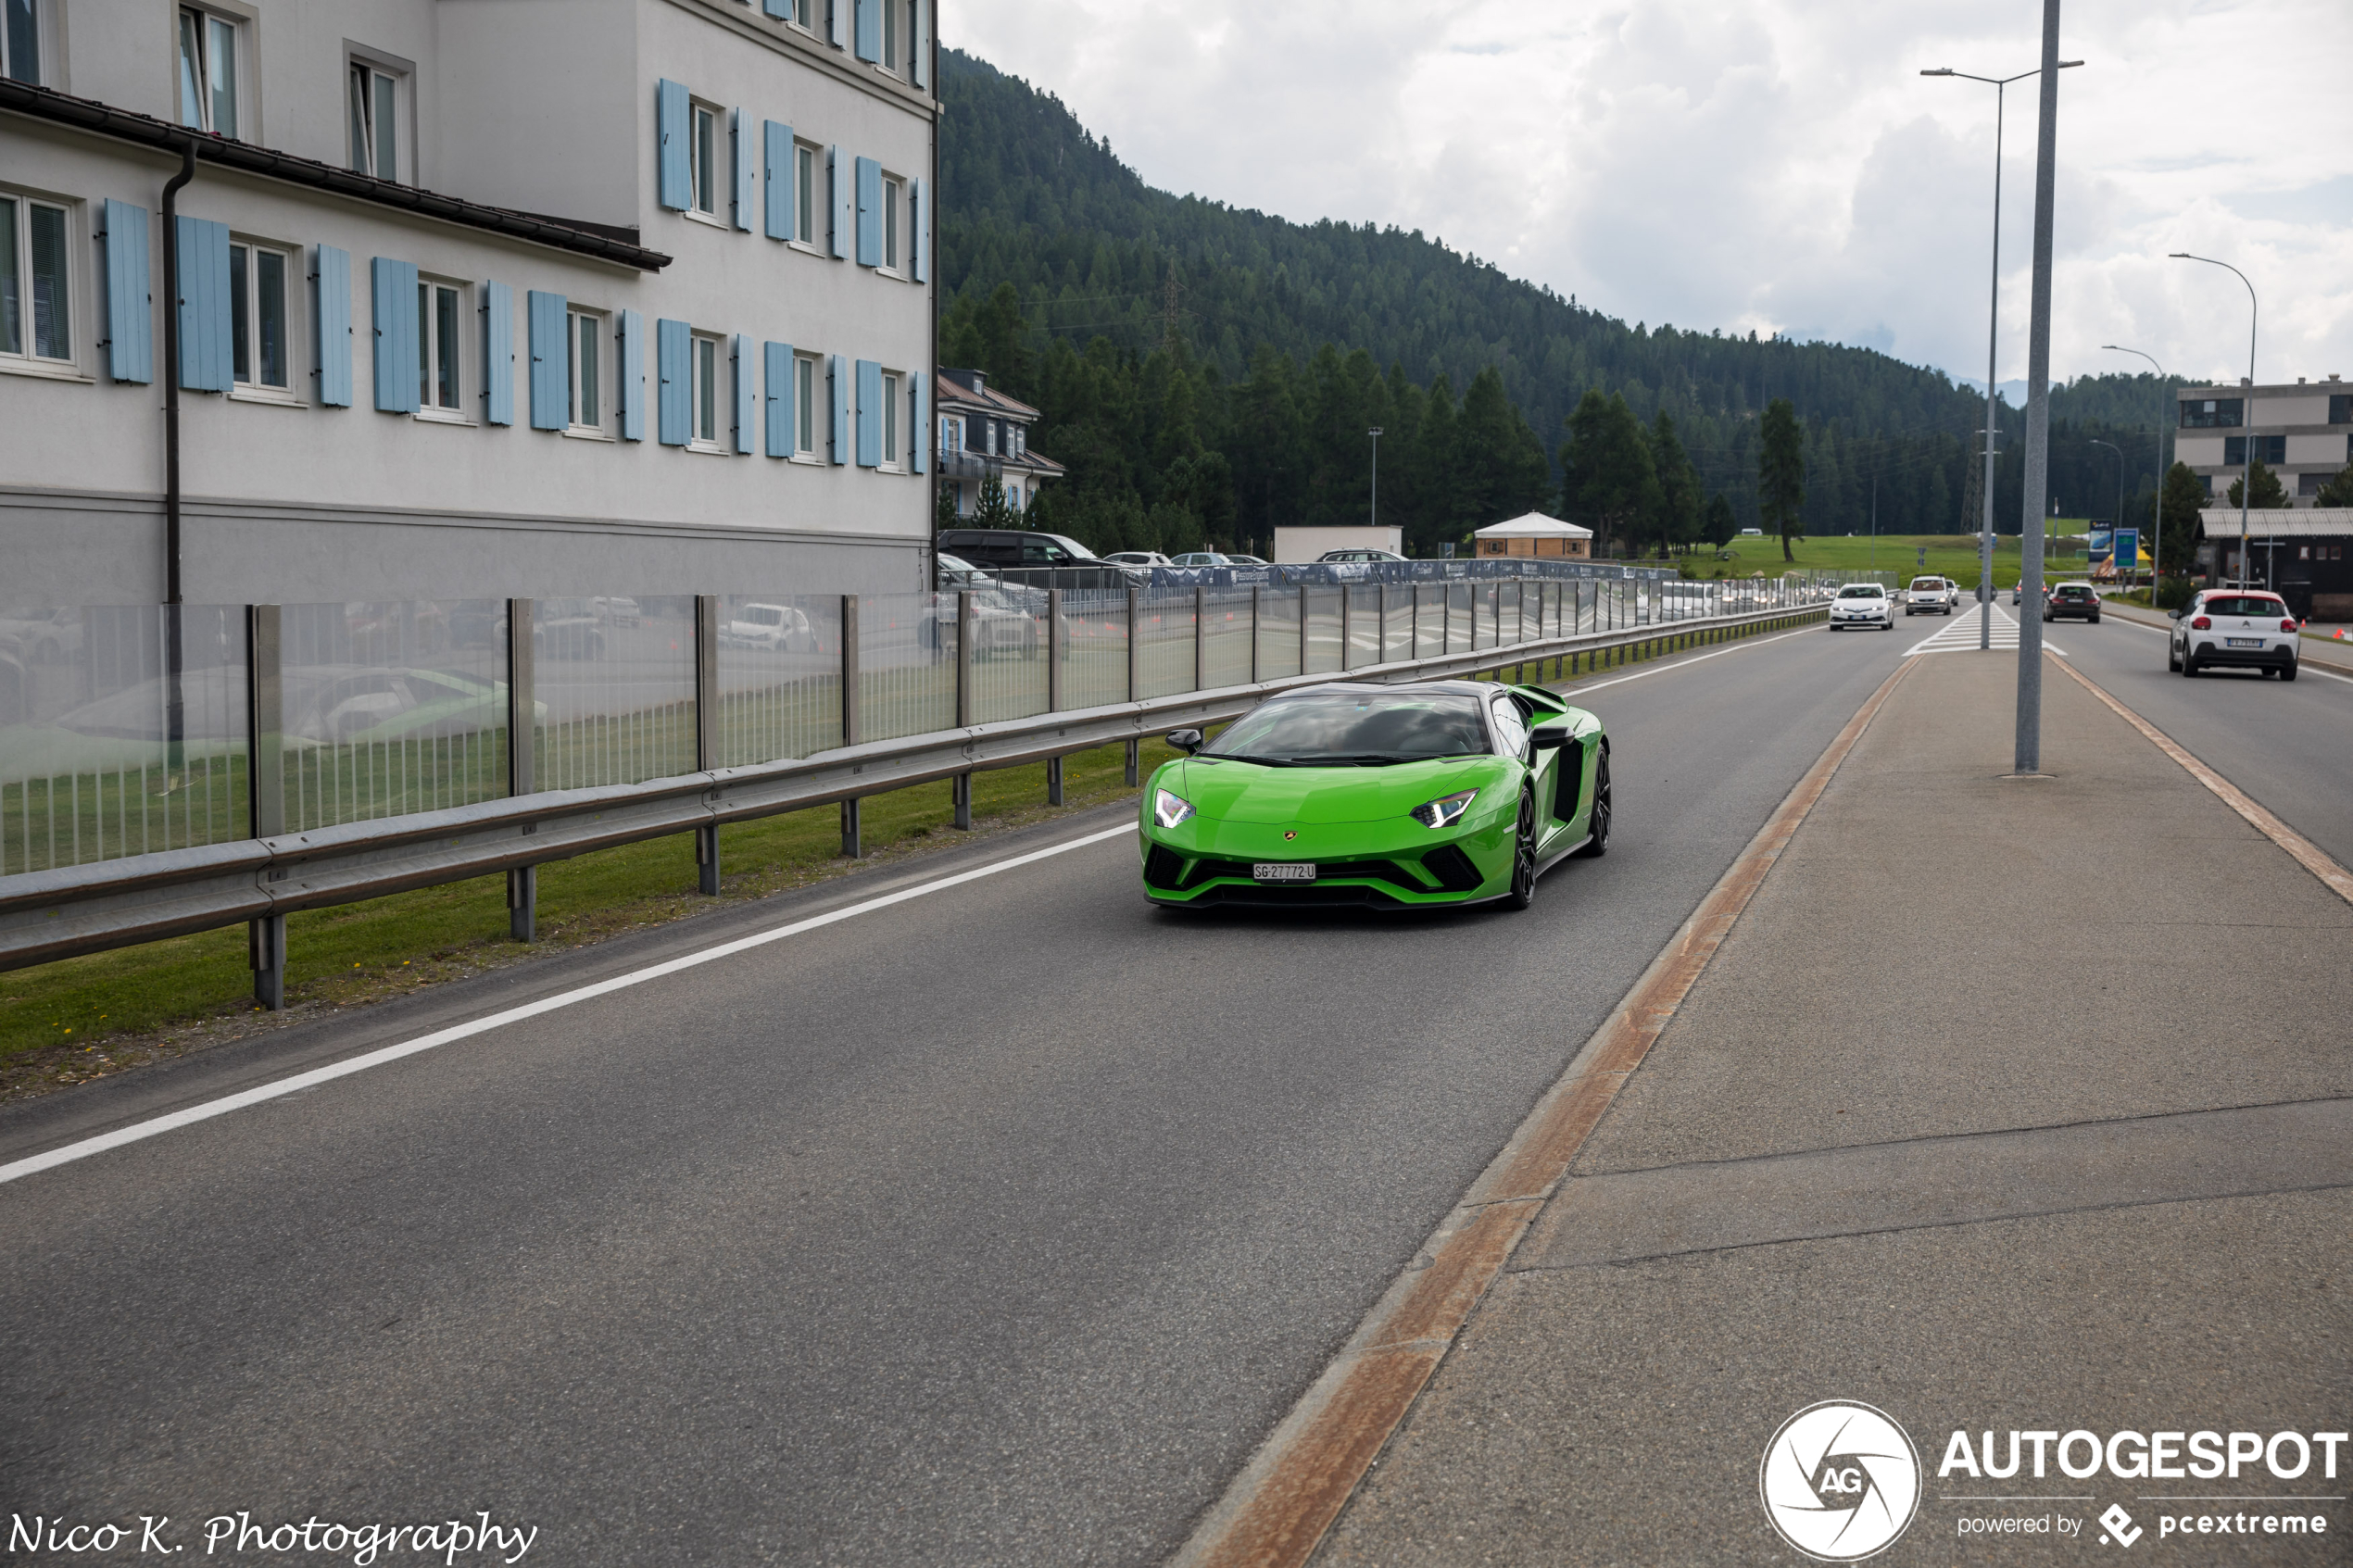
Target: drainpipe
x=175 y=693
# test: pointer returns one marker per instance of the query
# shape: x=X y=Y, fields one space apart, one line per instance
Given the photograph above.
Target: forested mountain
x=1206 y=371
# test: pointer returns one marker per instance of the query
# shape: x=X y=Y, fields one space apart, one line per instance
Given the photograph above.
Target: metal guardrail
x=74 y=909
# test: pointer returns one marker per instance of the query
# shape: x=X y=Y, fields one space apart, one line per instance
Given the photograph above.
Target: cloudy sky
x=1768 y=163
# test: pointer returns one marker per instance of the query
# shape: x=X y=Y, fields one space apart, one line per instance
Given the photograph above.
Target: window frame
x=243 y=99
x=72 y=273
x=430 y=355
x=401 y=77
x=808 y=173
x=706 y=152
x=893 y=257
x=808 y=386
x=576 y=371
x=889 y=455
x=706 y=354
x=246 y=302
x=43 y=30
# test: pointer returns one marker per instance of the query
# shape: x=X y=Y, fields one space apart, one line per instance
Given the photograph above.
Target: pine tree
x=2338 y=491
x=2270 y=493
x=1780 y=474
x=1679 y=519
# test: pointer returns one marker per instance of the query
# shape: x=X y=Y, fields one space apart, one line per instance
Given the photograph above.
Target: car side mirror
x=2172 y=614
x=1551 y=740
x=1187 y=741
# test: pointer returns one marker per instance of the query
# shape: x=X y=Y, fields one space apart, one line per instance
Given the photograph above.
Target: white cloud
x=1768 y=163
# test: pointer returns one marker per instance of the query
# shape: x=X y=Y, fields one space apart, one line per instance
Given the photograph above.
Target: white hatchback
x=2242 y=627
x=1862 y=603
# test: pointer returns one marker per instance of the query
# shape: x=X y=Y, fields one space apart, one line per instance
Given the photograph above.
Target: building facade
x=517 y=297
x=983 y=435
x=2302 y=432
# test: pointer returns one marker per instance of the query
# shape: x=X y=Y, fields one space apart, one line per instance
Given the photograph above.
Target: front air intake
x=1452 y=869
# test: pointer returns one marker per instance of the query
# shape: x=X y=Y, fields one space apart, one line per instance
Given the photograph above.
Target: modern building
x=2302 y=432
x=1533 y=534
x=983 y=435
x=500 y=298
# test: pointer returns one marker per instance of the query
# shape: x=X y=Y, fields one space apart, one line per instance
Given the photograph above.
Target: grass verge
x=67 y=1022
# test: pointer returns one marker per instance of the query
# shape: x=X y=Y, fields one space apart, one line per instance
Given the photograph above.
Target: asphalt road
x=996 y=1226
x=2287 y=746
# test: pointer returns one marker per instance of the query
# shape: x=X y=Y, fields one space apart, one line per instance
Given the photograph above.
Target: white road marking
x=1575 y=688
x=317 y=1075
x=1962 y=635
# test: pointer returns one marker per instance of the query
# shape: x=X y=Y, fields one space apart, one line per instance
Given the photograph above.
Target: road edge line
x=204 y=1110
x=2306 y=853
x=1276 y=1512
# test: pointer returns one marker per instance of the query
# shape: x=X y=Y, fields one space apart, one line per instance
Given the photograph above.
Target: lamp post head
x=1941 y=71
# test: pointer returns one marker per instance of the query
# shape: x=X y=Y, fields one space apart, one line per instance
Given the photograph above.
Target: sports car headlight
x=1443 y=810
x=1170 y=809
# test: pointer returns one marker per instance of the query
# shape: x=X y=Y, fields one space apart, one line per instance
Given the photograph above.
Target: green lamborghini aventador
x=1395 y=797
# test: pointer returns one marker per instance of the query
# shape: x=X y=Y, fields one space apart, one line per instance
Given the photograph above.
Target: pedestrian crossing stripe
x=1962 y=635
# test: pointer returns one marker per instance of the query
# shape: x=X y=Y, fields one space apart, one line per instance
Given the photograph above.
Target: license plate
x=2243 y=642
x=1283 y=870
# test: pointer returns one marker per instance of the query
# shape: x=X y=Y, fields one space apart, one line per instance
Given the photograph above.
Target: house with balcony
x=2303 y=433
x=611 y=297
x=983 y=435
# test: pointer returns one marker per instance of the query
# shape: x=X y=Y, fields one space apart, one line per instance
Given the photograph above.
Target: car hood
x=1245 y=792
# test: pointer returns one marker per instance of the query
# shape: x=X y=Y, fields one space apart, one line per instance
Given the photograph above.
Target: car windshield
x=1866 y=592
x=1350 y=728
x=2247 y=606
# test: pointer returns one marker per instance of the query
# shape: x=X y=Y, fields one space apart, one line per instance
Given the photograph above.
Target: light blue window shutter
x=633 y=375
x=747 y=393
x=870 y=28
x=869 y=213
x=550 y=361
x=777 y=373
x=921 y=43
x=838 y=203
x=131 y=355
x=779 y=208
x=330 y=323
x=670 y=117
x=919 y=240
x=203 y=303
x=919 y=434
x=746 y=162
x=498 y=354
x=836 y=22
x=838 y=388
x=673 y=356
x=395 y=286
x=869 y=413
x=779 y=9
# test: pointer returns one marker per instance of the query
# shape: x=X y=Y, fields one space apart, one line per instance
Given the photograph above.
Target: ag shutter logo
x=1840 y=1481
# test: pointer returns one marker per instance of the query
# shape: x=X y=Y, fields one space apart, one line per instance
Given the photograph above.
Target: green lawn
x=80 y=1007
x=1949 y=555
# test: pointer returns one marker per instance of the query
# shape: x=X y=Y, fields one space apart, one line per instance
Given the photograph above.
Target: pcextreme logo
x=1840 y=1481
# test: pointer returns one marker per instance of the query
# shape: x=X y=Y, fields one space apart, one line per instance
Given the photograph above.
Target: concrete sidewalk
x=1985 y=1116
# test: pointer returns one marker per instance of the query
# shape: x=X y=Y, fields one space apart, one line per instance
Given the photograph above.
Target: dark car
x=1002 y=548
x=2075 y=600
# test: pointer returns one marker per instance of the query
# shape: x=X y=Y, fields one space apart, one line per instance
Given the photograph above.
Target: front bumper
x=1207 y=864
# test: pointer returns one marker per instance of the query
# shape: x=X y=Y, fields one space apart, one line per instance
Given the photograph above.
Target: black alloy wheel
x=1523 y=891
x=1597 y=821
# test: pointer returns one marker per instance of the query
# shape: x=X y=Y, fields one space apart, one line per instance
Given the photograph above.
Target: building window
x=804 y=175
x=20 y=41
x=1021 y=441
x=2211 y=413
x=893 y=385
x=375 y=120
x=438 y=355
x=894 y=192
x=36 y=315
x=804 y=403
x=702 y=381
x=587 y=336
x=2270 y=449
x=2341 y=408
x=257 y=317
x=951 y=435
x=890 y=35
x=800 y=14
x=208 y=72
x=702 y=158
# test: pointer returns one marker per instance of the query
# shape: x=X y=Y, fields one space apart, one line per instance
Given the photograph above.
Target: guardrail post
x=1135 y=762
x=1054 y=686
x=961 y=786
x=707 y=729
x=1201 y=636
x=266 y=790
x=851 y=693
x=523 y=759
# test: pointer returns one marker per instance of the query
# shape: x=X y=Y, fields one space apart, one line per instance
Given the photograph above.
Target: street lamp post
x=1375 y=432
x=2247 y=407
x=1993 y=323
x=2156 y=523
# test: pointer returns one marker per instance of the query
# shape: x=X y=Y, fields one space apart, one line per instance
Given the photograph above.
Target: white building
x=983 y=435
x=519 y=297
x=2302 y=432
